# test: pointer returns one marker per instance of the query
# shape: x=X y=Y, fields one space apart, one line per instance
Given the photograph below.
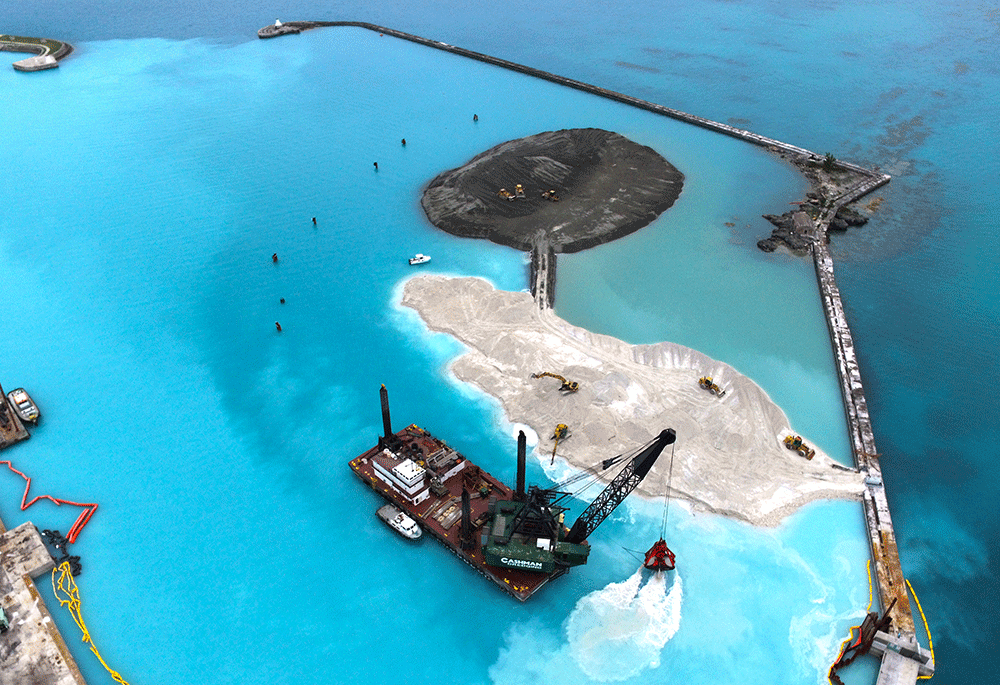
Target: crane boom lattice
x=619 y=488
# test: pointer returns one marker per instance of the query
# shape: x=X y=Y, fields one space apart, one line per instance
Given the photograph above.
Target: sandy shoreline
x=729 y=454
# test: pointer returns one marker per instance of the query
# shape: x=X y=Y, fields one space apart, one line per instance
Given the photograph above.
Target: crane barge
x=516 y=538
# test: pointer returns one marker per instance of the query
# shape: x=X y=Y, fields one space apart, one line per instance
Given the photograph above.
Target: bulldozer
x=567 y=385
x=707 y=383
x=794 y=442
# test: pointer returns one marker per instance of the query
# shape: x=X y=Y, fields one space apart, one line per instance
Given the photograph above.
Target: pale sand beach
x=729 y=457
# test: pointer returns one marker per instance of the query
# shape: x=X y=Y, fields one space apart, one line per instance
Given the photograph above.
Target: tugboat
x=25 y=407
x=399 y=522
x=419 y=259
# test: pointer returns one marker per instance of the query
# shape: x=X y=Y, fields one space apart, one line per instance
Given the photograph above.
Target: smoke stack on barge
x=516 y=538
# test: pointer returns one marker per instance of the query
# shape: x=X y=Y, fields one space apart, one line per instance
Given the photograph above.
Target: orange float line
x=81 y=520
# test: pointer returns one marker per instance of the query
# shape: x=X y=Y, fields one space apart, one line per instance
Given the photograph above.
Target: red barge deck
x=513 y=538
x=398 y=475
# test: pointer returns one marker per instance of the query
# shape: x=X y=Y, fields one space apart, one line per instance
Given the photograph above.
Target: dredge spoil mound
x=578 y=188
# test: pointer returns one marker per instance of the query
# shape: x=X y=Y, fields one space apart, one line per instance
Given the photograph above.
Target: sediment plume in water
x=617 y=632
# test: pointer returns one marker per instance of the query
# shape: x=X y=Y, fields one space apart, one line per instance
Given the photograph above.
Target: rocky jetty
x=791 y=229
x=573 y=188
x=831 y=181
x=795 y=229
x=847 y=217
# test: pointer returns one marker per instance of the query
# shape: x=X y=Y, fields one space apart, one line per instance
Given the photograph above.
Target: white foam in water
x=530 y=436
x=440 y=345
x=816 y=637
x=559 y=470
x=619 y=631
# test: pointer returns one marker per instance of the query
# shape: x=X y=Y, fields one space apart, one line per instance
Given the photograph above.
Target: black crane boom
x=619 y=488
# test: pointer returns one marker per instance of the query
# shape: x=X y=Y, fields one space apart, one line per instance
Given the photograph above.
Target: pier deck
x=902 y=658
x=32 y=650
x=543 y=274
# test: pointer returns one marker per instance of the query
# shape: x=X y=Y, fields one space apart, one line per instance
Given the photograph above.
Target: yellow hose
x=868 y=567
x=930 y=641
x=68 y=594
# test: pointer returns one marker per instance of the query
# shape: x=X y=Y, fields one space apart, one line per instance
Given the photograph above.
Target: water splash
x=531 y=437
x=617 y=632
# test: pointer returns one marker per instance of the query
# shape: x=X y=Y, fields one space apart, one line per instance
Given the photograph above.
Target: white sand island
x=730 y=458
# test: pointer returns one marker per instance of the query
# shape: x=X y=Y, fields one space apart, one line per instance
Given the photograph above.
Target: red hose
x=81 y=520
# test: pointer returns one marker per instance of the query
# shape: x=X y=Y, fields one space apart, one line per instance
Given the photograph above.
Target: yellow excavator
x=707 y=383
x=561 y=433
x=567 y=386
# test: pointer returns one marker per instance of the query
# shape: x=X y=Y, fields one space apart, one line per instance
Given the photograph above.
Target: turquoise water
x=217 y=447
x=229 y=531
x=697 y=278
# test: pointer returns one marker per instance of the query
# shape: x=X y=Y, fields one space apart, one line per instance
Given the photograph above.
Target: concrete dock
x=903 y=660
x=32 y=652
x=47 y=51
x=294 y=27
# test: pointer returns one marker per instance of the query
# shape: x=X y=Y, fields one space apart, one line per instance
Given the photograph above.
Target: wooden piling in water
x=11 y=429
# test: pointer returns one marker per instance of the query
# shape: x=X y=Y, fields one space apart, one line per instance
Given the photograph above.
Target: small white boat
x=22 y=403
x=399 y=522
x=419 y=259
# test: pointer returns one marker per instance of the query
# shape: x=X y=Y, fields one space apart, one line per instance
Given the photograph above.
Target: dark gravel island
x=568 y=190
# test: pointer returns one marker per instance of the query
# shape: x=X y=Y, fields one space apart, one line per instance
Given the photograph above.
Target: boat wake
x=619 y=631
